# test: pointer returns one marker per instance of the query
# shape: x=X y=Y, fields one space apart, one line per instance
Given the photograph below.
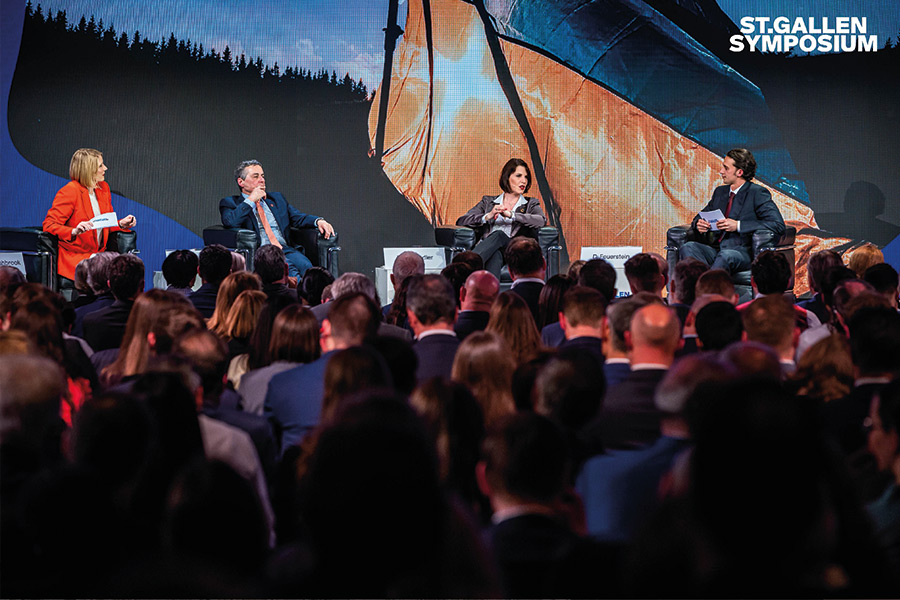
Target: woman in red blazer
x=69 y=219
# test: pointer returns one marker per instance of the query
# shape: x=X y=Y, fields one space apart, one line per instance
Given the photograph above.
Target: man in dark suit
x=98 y=280
x=746 y=206
x=597 y=274
x=214 y=266
x=475 y=298
x=583 y=320
x=105 y=328
x=350 y=283
x=629 y=418
x=271 y=265
x=268 y=214
x=431 y=309
x=294 y=400
x=528 y=269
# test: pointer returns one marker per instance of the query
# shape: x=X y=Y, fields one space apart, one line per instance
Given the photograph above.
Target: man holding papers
x=82 y=214
x=727 y=222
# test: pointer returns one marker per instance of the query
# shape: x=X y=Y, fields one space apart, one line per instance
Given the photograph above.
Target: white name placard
x=13 y=259
x=616 y=256
x=435 y=258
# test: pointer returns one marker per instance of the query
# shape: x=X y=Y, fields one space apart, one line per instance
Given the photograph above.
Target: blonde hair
x=825 y=370
x=485 y=365
x=864 y=257
x=243 y=316
x=84 y=165
x=231 y=286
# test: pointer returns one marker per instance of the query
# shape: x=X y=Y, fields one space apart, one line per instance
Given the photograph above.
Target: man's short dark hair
x=818 y=265
x=126 y=276
x=834 y=276
x=354 y=318
x=584 y=306
x=268 y=263
x=714 y=281
x=875 y=340
x=770 y=321
x=642 y=272
x=456 y=274
x=687 y=272
x=744 y=161
x=180 y=268
x=718 y=325
x=771 y=272
x=600 y=275
x=523 y=256
x=208 y=357
x=215 y=263
x=430 y=298
x=883 y=278
x=508 y=169
x=470 y=258
x=526 y=457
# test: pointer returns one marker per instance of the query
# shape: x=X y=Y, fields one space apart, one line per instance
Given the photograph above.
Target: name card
x=14 y=260
x=434 y=258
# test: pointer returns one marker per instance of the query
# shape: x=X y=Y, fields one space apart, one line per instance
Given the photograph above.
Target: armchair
x=319 y=251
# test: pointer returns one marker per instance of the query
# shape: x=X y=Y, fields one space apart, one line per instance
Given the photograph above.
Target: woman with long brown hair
x=484 y=364
x=512 y=320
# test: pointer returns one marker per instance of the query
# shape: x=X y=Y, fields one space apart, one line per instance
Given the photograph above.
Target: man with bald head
x=475 y=300
x=406 y=265
x=629 y=418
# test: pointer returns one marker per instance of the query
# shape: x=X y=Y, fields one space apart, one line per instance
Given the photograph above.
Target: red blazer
x=71 y=206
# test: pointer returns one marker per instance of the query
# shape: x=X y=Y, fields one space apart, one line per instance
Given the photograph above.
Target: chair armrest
x=320 y=252
x=455 y=237
x=123 y=242
x=765 y=239
x=237 y=239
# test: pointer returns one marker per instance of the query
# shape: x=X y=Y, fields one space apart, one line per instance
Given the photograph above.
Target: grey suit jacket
x=530 y=216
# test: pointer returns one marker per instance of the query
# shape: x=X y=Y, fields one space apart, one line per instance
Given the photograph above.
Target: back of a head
x=295 y=336
x=833 y=277
x=350 y=283
x=600 y=275
x=770 y=320
x=351 y=371
x=98 y=271
x=771 y=272
x=171 y=323
x=269 y=263
x=656 y=326
x=511 y=319
x=569 y=389
x=229 y=289
x=550 y=301
x=146 y=317
x=643 y=273
x=864 y=257
x=684 y=377
x=524 y=257
x=753 y=359
x=457 y=274
x=819 y=264
x=883 y=277
x=313 y=283
x=714 y=281
x=584 y=306
x=244 y=314
x=472 y=259
x=482 y=287
x=126 y=276
x=848 y=289
x=208 y=356
x=214 y=263
x=718 y=324
x=526 y=457
x=619 y=316
x=875 y=340
x=238 y=262
x=180 y=268
x=31 y=388
x=687 y=272
x=354 y=318
x=81 y=277
x=430 y=298
x=484 y=363
x=406 y=264
x=10 y=279
x=400 y=359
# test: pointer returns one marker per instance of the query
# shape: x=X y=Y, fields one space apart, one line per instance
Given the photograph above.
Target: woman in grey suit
x=497 y=219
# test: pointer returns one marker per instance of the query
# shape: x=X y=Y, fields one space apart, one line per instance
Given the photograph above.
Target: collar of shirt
x=519 y=202
x=527 y=280
x=737 y=190
x=649 y=367
x=518 y=511
x=617 y=361
x=425 y=334
x=870 y=380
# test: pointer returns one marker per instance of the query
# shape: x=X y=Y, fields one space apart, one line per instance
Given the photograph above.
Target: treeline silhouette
x=52 y=35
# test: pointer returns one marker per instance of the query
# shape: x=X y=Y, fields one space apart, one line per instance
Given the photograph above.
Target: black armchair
x=40 y=251
x=457 y=238
x=319 y=251
x=763 y=239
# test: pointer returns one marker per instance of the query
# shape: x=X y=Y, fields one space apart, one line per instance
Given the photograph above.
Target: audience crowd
x=264 y=437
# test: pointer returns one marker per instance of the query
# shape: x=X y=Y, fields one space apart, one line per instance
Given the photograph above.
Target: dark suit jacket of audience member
x=628 y=418
x=470 y=321
x=101 y=301
x=616 y=372
x=552 y=335
x=530 y=291
x=204 y=299
x=585 y=343
x=257 y=427
x=435 y=353
x=844 y=417
x=105 y=328
x=817 y=306
x=294 y=400
x=279 y=292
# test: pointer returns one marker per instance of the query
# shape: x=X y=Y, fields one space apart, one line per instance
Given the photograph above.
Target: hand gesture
x=127 y=222
x=258 y=193
x=497 y=210
x=702 y=225
x=729 y=225
x=81 y=228
x=325 y=228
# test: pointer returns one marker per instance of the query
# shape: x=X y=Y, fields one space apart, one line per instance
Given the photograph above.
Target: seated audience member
x=689 y=330
x=771 y=320
x=476 y=298
x=431 y=309
x=313 y=284
x=392 y=534
x=770 y=276
x=238 y=262
x=456 y=274
x=350 y=283
x=753 y=359
x=825 y=371
x=682 y=288
x=644 y=275
x=105 y=327
x=629 y=418
x=238 y=328
x=816 y=267
x=294 y=341
x=883 y=277
x=528 y=270
x=718 y=324
x=157 y=318
x=484 y=364
x=230 y=288
x=574 y=269
x=473 y=259
x=716 y=281
x=583 y=320
x=10 y=280
x=620 y=488
x=618 y=319
x=524 y=472
x=597 y=274
x=84 y=293
x=454 y=419
x=294 y=398
x=884 y=445
x=214 y=266
x=401 y=361
x=271 y=266
x=180 y=269
x=875 y=349
x=511 y=319
x=841 y=282
x=864 y=257
x=98 y=280
x=406 y=264
x=550 y=300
